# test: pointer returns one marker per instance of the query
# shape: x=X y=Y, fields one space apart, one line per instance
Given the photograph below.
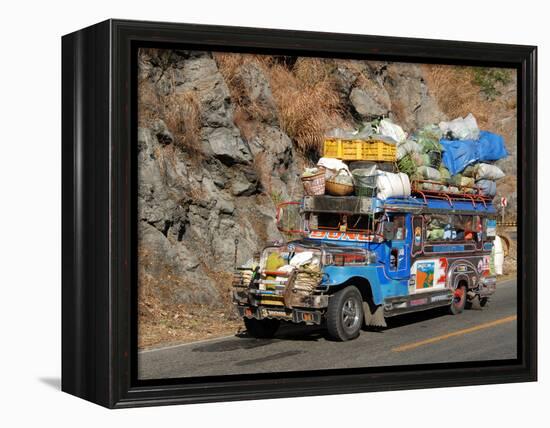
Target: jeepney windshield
x=343 y=222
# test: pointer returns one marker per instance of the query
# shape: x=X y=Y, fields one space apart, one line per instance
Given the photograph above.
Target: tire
x=459 y=300
x=261 y=329
x=477 y=303
x=345 y=314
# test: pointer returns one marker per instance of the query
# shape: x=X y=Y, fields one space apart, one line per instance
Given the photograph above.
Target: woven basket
x=314 y=185
x=338 y=189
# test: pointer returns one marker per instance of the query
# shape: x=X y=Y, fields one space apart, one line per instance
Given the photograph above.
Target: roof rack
x=465 y=193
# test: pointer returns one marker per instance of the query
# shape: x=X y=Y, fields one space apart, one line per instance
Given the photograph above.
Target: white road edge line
x=164 y=348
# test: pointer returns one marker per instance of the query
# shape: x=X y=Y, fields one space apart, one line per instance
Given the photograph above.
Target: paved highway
x=427 y=337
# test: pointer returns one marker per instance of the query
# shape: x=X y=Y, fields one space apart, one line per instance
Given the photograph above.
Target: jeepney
x=369 y=259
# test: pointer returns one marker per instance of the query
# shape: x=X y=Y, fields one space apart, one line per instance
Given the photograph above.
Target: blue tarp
x=458 y=154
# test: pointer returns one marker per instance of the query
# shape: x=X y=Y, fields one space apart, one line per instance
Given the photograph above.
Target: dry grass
x=163 y=323
x=310 y=71
x=306 y=99
x=230 y=66
x=307 y=110
x=456 y=92
x=243 y=121
x=180 y=111
x=263 y=170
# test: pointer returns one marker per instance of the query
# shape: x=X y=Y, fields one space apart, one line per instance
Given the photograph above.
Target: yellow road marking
x=455 y=333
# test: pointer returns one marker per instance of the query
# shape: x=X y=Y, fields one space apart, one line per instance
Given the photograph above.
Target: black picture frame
x=99 y=207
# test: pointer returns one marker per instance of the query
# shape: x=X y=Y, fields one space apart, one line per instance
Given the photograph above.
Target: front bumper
x=295 y=315
x=294 y=299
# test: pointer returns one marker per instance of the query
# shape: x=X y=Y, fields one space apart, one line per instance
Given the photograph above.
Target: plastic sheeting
x=491 y=147
x=390 y=129
x=392 y=185
x=458 y=154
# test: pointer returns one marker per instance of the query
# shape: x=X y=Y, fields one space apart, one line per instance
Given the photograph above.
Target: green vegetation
x=488 y=80
x=276 y=197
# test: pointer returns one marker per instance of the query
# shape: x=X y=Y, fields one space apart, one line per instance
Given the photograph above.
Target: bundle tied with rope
x=307 y=278
x=302 y=282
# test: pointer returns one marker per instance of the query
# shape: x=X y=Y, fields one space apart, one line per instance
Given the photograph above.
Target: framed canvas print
x=252 y=213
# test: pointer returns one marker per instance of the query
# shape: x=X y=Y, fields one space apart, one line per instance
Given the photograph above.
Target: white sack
x=429 y=173
x=390 y=129
x=302 y=258
x=392 y=185
x=332 y=165
x=485 y=171
x=461 y=129
x=406 y=147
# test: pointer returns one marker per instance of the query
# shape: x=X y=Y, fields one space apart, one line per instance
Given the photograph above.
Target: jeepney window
x=453 y=227
x=400 y=229
x=344 y=223
x=359 y=223
x=328 y=221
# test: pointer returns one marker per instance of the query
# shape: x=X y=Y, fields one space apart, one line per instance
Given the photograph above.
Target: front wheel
x=261 y=329
x=345 y=314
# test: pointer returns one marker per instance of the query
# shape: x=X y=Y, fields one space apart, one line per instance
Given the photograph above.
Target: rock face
x=192 y=208
x=205 y=182
x=396 y=90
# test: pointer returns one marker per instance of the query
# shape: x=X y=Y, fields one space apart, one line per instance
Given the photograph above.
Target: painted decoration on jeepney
x=429 y=274
x=417 y=235
x=484 y=266
x=340 y=236
x=442 y=274
x=425 y=275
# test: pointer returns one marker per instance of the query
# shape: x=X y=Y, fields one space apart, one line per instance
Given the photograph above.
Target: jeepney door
x=398 y=263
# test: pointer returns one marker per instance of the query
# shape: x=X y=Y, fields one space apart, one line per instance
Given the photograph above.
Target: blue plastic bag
x=458 y=154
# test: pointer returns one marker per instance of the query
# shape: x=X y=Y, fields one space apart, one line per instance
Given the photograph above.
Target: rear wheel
x=459 y=300
x=261 y=329
x=345 y=314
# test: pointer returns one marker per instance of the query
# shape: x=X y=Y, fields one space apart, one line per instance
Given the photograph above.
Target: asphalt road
x=487 y=333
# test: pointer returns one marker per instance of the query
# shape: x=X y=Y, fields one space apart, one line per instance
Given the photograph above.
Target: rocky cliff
x=223 y=138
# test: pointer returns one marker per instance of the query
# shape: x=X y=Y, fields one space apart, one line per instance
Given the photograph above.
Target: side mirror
x=388 y=230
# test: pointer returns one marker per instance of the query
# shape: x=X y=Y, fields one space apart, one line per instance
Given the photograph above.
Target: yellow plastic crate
x=370 y=150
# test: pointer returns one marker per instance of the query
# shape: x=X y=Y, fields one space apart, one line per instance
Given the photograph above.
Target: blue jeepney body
x=384 y=282
x=400 y=273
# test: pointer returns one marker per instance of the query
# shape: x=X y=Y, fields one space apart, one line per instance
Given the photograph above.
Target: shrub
x=489 y=79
